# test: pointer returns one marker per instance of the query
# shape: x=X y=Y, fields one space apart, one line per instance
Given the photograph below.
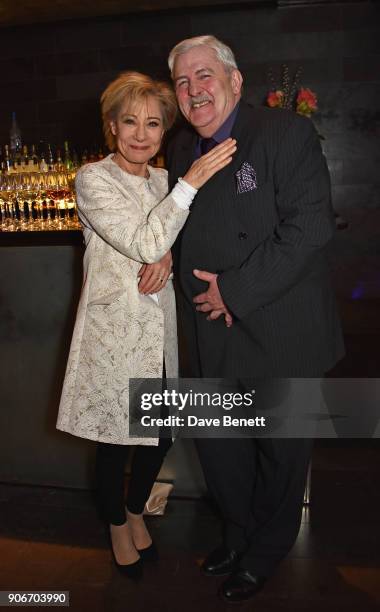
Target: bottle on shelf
x=3 y=168
x=33 y=162
x=43 y=165
x=30 y=161
x=15 y=137
x=8 y=163
x=76 y=163
x=50 y=158
x=17 y=162
x=24 y=159
x=67 y=161
x=58 y=166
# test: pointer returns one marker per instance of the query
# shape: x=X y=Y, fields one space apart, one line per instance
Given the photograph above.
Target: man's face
x=206 y=92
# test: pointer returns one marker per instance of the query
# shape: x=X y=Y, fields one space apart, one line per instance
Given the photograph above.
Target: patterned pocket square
x=246 y=178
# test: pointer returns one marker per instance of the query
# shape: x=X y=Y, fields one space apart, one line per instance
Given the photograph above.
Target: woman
x=126 y=327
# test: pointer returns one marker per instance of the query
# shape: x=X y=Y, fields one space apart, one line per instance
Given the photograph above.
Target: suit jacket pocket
x=262 y=192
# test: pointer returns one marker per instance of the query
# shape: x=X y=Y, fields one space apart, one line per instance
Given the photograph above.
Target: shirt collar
x=223 y=132
x=226 y=128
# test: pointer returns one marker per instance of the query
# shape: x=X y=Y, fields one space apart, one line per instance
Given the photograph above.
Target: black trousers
x=110 y=466
x=258 y=485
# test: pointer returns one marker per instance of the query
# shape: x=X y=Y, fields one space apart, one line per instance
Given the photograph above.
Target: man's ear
x=236 y=81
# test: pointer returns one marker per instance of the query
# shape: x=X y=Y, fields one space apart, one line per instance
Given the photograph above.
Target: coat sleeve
x=306 y=224
x=117 y=219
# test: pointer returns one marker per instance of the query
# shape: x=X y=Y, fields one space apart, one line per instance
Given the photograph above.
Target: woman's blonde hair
x=135 y=88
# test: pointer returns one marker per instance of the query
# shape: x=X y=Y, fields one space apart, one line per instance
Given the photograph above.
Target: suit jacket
x=268 y=246
x=119 y=333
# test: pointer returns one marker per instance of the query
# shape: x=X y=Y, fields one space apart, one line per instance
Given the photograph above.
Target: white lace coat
x=119 y=333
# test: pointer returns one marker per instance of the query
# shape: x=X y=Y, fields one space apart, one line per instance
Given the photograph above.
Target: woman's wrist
x=183 y=194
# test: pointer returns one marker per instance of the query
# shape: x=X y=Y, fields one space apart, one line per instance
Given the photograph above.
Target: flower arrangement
x=301 y=99
x=290 y=95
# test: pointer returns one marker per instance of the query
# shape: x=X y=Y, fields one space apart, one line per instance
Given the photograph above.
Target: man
x=257 y=296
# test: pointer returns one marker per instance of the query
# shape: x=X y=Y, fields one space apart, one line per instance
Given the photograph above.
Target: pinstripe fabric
x=268 y=246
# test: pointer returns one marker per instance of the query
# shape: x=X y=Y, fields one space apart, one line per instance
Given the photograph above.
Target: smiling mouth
x=200 y=104
x=139 y=148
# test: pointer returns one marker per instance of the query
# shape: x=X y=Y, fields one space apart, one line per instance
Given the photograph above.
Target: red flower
x=306 y=102
x=275 y=98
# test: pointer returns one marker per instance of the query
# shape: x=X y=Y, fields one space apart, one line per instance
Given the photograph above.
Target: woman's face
x=138 y=132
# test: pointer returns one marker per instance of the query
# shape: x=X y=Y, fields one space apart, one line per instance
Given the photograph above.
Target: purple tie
x=207 y=144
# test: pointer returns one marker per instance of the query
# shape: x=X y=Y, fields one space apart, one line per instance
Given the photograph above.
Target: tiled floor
x=52 y=539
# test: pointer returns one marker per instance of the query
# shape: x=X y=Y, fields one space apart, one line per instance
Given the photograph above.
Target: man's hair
x=135 y=88
x=222 y=51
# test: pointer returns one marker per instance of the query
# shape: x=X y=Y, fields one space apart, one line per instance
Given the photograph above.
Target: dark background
x=53 y=73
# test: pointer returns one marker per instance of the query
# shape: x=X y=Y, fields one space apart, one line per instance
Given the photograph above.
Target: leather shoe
x=241 y=586
x=134 y=571
x=220 y=562
x=149 y=554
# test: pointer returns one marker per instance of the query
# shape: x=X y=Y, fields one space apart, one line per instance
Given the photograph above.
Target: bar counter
x=40 y=283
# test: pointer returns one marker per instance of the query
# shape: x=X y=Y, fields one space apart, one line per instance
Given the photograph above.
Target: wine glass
x=10 y=203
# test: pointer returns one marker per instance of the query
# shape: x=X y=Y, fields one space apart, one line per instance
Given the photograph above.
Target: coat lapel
x=184 y=155
x=246 y=133
x=246 y=137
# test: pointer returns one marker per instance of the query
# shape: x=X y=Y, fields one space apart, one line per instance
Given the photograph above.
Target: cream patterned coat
x=119 y=333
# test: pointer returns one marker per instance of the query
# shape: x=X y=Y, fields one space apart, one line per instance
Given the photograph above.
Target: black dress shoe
x=220 y=562
x=150 y=553
x=241 y=585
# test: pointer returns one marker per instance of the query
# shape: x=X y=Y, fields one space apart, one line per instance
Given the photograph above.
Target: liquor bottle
x=17 y=162
x=35 y=157
x=76 y=163
x=50 y=158
x=43 y=165
x=33 y=161
x=58 y=166
x=41 y=149
x=92 y=157
x=3 y=165
x=24 y=159
x=100 y=154
x=15 y=136
x=7 y=160
x=30 y=161
x=67 y=161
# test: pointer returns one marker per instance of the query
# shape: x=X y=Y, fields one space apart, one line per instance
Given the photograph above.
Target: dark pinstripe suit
x=269 y=248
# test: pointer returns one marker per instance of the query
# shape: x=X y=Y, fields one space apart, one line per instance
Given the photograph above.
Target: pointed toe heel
x=133 y=571
x=150 y=553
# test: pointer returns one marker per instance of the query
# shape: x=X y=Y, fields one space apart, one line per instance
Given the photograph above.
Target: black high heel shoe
x=134 y=571
x=150 y=553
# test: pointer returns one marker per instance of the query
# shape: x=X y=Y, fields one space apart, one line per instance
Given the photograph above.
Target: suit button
x=243 y=235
